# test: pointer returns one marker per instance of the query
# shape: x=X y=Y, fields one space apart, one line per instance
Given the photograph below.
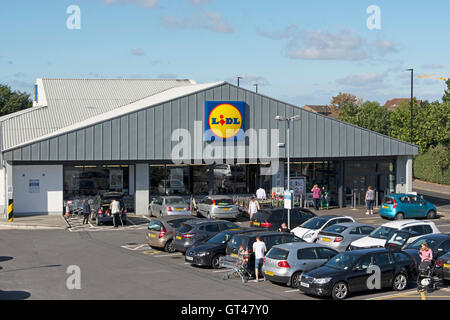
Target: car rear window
x=388 y=200
x=174 y=201
x=154 y=225
x=176 y=223
x=261 y=216
x=237 y=241
x=336 y=229
x=185 y=228
x=278 y=254
x=224 y=202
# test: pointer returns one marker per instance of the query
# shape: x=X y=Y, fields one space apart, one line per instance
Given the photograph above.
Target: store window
x=200 y=174
x=169 y=180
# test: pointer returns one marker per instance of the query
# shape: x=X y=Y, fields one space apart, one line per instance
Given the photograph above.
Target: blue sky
x=302 y=52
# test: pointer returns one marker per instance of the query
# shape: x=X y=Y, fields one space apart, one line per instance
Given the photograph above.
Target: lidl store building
x=144 y=138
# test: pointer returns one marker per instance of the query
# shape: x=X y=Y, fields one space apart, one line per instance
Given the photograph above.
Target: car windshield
x=381 y=232
x=223 y=202
x=174 y=201
x=418 y=243
x=314 y=223
x=342 y=261
x=277 y=254
x=221 y=237
x=335 y=229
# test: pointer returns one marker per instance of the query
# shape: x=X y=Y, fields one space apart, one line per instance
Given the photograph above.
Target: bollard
x=10 y=210
x=376 y=199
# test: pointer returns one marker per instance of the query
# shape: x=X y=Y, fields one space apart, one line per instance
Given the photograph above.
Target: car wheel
x=339 y=291
x=431 y=214
x=215 y=261
x=295 y=279
x=399 y=283
x=399 y=216
x=169 y=247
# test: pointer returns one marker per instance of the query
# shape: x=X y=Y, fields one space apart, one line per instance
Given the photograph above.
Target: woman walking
x=370 y=199
x=316 y=196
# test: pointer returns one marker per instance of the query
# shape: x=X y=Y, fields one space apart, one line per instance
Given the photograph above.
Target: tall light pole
x=288 y=120
x=238 y=78
x=412 y=94
x=256 y=87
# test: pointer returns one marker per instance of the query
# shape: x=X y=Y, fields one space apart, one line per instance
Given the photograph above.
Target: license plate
x=326 y=239
x=153 y=236
x=447 y=266
x=386 y=207
x=226 y=209
x=304 y=284
x=189 y=258
x=269 y=273
x=179 y=209
x=234 y=255
x=256 y=223
x=178 y=237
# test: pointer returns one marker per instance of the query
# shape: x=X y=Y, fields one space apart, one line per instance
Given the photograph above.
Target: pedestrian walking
x=253 y=207
x=370 y=200
x=115 y=211
x=86 y=211
x=324 y=198
x=316 y=196
x=284 y=228
x=259 y=248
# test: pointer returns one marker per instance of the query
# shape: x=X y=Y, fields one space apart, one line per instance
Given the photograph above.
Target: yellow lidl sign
x=224 y=119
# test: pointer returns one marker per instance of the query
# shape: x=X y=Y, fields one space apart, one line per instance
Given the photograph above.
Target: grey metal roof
x=73 y=100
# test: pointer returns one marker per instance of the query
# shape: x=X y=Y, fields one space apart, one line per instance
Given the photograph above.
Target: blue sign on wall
x=224 y=120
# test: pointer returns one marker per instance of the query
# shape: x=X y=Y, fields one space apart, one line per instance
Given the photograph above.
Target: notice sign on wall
x=115 y=179
x=33 y=186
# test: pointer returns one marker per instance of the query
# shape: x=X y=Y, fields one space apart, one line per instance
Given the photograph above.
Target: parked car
x=208 y=253
x=168 y=206
x=443 y=267
x=310 y=229
x=161 y=230
x=349 y=272
x=378 y=237
x=103 y=212
x=193 y=232
x=270 y=239
x=340 y=236
x=439 y=243
x=400 y=206
x=271 y=219
x=285 y=263
x=217 y=207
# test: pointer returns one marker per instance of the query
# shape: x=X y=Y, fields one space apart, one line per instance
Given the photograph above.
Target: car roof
x=218 y=196
x=361 y=252
x=203 y=221
x=436 y=236
x=299 y=245
x=406 y=222
x=170 y=218
x=262 y=233
x=352 y=224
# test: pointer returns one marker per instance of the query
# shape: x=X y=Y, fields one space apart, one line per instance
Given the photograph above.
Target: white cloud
x=433 y=66
x=363 y=80
x=249 y=80
x=141 y=3
x=286 y=33
x=323 y=45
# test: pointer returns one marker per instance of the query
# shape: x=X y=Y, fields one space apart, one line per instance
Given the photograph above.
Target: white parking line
x=223 y=270
x=295 y=290
x=168 y=255
x=394 y=295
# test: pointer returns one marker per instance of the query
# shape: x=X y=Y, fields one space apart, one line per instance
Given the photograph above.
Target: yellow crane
x=432 y=76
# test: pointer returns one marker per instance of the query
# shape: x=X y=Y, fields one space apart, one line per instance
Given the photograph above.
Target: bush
x=433 y=165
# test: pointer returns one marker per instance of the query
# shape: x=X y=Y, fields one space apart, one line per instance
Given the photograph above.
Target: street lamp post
x=288 y=120
x=238 y=78
x=256 y=87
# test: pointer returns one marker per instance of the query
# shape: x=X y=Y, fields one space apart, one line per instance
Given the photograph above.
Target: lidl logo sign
x=224 y=120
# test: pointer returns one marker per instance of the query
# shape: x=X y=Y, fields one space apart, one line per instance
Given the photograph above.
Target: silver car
x=220 y=207
x=339 y=236
x=169 y=206
x=285 y=263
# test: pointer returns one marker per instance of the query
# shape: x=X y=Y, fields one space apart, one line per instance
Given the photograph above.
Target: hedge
x=433 y=165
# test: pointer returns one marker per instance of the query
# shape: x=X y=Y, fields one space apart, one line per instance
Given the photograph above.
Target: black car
x=443 y=266
x=271 y=219
x=270 y=239
x=439 y=243
x=350 y=271
x=193 y=232
x=103 y=214
x=208 y=253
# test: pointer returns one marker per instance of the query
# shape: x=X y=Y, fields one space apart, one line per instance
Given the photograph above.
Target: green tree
x=374 y=117
x=343 y=100
x=446 y=96
x=12 y=101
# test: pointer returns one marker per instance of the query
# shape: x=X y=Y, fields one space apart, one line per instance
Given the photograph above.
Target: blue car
x=406 y=206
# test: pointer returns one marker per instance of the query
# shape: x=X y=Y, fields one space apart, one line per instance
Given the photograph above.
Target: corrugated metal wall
x=146 y=134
